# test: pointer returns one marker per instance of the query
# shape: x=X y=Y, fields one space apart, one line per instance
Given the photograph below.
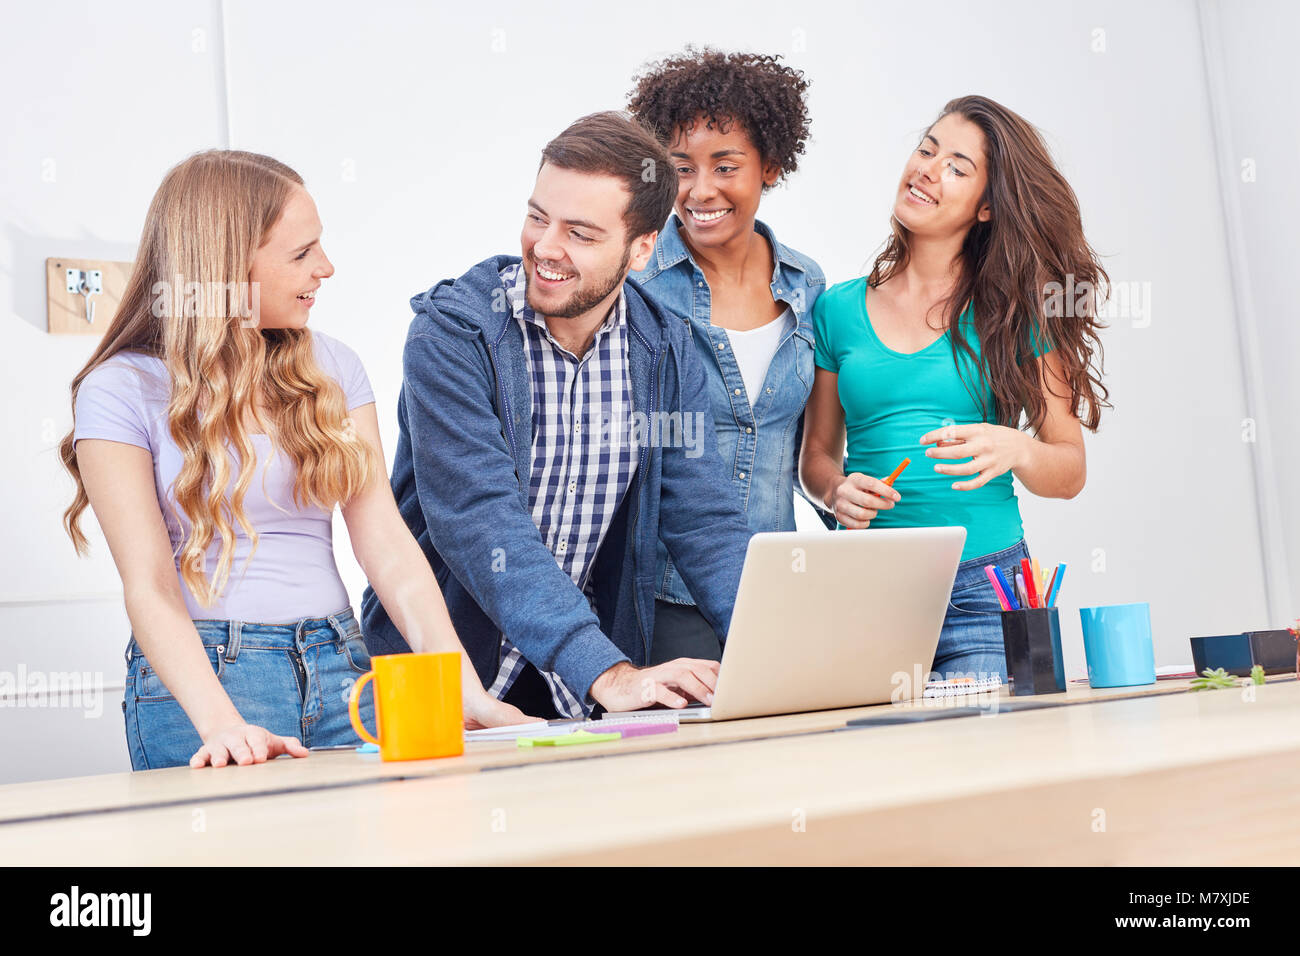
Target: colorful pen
x=1057 y=578
x=897 y=471
x=1007 y=589
x=1030 y=591
x=997 y=588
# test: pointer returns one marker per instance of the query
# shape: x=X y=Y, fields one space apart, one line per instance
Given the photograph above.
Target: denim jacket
x=461 y=477
x=759 y=444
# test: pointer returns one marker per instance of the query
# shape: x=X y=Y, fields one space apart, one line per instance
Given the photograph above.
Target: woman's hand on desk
x=244 y=744
x=857 y=499
x=482 y=710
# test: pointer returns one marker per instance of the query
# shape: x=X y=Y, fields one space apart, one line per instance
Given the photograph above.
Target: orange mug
x=417 y=706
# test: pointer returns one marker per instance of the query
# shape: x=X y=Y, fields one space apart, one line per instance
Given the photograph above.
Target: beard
x=586 y=296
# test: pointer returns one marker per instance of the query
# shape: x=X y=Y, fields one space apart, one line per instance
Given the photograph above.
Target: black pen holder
x=1032 y=639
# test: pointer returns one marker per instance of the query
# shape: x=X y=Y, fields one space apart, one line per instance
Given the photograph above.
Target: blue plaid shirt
x=584 y=452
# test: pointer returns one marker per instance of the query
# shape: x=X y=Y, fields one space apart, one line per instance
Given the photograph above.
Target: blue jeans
x=971 y=640
x=292 y=679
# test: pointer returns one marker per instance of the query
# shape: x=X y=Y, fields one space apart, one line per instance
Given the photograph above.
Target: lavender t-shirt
x=293 y=575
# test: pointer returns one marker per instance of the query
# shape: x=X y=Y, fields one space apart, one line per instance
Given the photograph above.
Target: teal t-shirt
x=891 y=399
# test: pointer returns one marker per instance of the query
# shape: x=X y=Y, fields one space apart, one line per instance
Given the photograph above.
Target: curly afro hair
x=756 y=91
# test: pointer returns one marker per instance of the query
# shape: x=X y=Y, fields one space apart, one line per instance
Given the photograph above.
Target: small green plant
x=1257 y=674
x=1214 y=679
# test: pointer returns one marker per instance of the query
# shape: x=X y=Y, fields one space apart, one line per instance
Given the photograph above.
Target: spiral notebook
x=962 y=686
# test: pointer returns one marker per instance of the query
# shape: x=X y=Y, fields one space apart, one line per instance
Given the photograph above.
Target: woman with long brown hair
x=981 y=308
x=213 y=435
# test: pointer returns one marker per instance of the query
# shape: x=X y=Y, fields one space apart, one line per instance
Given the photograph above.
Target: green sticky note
x=577 y=737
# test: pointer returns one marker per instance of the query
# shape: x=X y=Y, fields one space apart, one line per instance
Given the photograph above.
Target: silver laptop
x=832 y=619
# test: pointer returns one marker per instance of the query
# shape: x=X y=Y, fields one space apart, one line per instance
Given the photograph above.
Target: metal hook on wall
x=86 y=283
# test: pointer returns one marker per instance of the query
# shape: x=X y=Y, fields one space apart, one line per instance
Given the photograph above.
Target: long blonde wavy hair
x=209 y=217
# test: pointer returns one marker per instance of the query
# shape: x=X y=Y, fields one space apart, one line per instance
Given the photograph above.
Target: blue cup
x=1117 y=644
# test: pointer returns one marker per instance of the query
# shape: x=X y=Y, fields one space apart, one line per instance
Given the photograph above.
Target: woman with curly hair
x=735 y=125
x=211 y=427
x=987 y=239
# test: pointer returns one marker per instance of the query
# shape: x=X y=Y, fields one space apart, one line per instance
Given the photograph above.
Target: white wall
x=98 y=104
x=418 y=131
x=1259 y=138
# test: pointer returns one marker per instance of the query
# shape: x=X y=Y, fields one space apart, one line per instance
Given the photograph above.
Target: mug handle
x=354 y=699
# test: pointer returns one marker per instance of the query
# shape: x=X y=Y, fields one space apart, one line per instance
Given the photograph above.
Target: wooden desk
x=1164 y=778
x=324 y=770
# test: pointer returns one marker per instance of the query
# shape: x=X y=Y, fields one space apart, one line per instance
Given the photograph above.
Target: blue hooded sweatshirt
x=461 y=476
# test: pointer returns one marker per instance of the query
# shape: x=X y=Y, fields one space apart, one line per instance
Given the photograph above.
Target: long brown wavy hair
x=1018 y=269
x=209 y=217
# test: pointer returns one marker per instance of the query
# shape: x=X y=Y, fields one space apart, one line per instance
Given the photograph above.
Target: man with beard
x=548 y=410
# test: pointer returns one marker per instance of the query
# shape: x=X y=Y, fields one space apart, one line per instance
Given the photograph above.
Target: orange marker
x=897 y=471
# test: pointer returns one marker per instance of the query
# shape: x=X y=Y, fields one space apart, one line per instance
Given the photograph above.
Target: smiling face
x=289 y=266
x=574 y=243
x=942 y=188
x=721 y=178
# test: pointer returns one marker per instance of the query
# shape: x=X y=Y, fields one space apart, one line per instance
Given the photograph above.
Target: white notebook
x=558 y=728
x=961 y=686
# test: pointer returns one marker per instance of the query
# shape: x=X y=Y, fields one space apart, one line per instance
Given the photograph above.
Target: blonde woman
x=213 y=435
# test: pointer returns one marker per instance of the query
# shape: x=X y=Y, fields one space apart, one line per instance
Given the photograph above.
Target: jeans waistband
x=233 y=635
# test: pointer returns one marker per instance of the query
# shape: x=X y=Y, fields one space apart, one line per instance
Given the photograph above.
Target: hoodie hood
x=462 y=300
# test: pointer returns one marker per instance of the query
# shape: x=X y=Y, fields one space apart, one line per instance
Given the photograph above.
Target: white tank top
x=754 y=350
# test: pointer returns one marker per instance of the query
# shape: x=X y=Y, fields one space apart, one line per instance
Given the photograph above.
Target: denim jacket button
x=748 y=429
x=721 y=346
x=737 y=391
x=742 y=476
